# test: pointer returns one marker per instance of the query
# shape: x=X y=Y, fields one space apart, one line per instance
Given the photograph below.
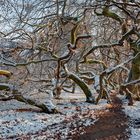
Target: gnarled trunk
x=83 y=86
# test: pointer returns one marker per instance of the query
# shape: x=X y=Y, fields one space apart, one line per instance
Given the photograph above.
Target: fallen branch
x=47 y=107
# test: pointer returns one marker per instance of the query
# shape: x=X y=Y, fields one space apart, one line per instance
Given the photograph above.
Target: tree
x=76 y=40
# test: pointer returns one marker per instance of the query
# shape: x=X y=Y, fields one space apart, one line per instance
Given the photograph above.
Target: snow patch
x=134 y=113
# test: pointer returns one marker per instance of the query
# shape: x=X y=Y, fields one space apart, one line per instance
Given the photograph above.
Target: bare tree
x=88 y=42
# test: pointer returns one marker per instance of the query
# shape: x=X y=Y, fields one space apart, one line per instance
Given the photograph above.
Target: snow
x=13 y=123
x=19 y=120
x=135 y=134
x=134 y=113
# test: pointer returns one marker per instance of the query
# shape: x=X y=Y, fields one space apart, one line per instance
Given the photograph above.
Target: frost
x=19 y=120
x=134 y=113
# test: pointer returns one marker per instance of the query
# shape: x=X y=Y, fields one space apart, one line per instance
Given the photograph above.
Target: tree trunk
x=83 y=86
x=134 y=75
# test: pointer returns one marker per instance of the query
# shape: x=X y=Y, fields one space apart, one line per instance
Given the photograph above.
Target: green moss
x=74 y=33
x=4 y=86
x=136 y=68
x=110 y=14
x=83 y=86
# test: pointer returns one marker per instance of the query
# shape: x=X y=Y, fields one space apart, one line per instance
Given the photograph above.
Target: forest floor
x=111 y=125
x=79 y=120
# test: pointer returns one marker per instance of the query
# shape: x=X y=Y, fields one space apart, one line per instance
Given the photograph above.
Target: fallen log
x=47 y=107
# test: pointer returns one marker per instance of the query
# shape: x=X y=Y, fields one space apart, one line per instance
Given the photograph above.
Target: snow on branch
x=112 y=69
x=13 y=64
x=118 y=43
x=131 y=83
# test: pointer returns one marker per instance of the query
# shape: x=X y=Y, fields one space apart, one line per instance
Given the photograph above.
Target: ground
x=78 y=120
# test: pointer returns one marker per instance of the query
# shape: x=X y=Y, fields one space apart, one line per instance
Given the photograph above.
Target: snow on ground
x=18 y=120
x=134 y=113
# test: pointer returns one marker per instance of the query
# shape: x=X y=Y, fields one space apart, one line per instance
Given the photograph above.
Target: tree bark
x=135 y=75
x=83 y=86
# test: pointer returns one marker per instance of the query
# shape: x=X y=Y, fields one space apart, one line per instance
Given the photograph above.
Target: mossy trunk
x=83 y=86
x=7 y=87
x=134 y=75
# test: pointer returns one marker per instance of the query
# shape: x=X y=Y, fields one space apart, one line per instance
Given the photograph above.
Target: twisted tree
x=88 y=43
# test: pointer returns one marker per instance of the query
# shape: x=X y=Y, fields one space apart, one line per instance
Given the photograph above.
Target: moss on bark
x=83 y=86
